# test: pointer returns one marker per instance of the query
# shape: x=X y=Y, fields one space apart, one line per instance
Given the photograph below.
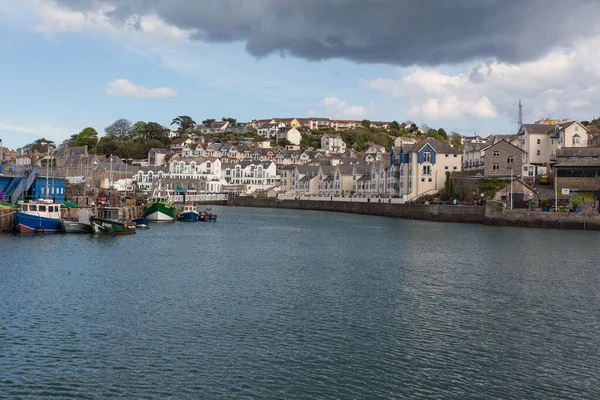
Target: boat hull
x=188 y=216
x=207 y=217
x=142 y=223
x=27 y=223
x=108 y=227
x=159 y=212
x=76 y=227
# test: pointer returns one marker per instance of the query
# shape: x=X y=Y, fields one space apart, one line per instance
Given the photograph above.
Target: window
x=429 y=180
x=455 y=156
x=496 y=154
x=454 y=168
x=539 y=141
x=525 y=168
x=42 y=208
x=446 y=167
x=447 y=155
x=496 y=167
x=510 y=160
x=539 y=152
x=426 y=169
x=426 y=156
x=422 y=179
x=576 y=139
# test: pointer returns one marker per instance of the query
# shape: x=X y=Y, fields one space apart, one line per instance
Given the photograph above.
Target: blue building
x=37 y=189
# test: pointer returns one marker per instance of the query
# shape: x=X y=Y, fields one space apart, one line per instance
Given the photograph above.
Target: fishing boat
x=142 y=223
x=188 y=213
x=79 y=225
x=107 y=222
x=207 y=216
x=159 y=207
x=42 y=216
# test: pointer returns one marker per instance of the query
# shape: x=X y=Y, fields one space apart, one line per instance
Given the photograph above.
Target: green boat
x=159 y=208
x=107 y=222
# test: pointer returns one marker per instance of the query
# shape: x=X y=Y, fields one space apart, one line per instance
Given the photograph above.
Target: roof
x=580 y=162
x=578 y=152
x=265 y=164
x=439 y=147
x=538 y=129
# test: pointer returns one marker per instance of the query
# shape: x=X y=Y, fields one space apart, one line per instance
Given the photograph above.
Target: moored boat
x=107 y=222
x=207 y=216
x=42 y=216
x=142 y=223
x=159 y=208
x=188 y=214
x=80 y=225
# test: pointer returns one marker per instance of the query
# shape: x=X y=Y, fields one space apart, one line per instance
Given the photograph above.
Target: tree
x=366 y=123
x=284 y=142
x=120 y=129
x=442 y=133
x=139 y=131
x=108 y=145
x=155 y=131
x=456 y=140
x=87 y=137
x=184 y=123
x=413 y=128
x=395 y=125
x=208 y=122
x=230 y=120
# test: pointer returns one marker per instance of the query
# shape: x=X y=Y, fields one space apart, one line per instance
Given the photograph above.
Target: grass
x=584 y=196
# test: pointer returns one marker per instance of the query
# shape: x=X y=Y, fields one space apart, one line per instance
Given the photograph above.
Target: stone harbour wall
x=433 y=212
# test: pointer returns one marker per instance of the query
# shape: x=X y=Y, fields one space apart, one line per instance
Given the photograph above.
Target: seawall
x=493 y=214
x=496 y=214
x=433 y=212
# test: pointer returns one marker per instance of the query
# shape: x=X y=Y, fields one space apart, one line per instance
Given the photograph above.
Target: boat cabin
x=159 y=200
x=108 y=213
x=43 y=210
x=189 y=207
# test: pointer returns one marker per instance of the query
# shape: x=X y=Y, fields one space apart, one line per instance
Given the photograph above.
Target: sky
x=461 y=65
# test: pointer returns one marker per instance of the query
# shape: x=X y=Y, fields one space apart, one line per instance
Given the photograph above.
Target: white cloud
x=122 y=87
x=559 y=85
x=50 y=19
x=17 y=131
x=333 y=107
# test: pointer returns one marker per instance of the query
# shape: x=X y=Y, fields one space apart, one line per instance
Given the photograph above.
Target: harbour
x=349 y=306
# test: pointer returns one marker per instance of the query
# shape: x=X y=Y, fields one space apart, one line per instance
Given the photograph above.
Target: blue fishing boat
x=142 y=223
x=42 y=216
x=188 y=214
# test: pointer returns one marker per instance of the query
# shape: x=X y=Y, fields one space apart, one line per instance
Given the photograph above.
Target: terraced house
x=421 y=168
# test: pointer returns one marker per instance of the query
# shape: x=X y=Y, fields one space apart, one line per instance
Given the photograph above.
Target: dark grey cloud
x=400 y=32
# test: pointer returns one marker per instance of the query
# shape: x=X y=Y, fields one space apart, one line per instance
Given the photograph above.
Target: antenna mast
x=520 y=116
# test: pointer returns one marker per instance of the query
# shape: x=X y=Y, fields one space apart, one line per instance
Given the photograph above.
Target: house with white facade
x=293 y=136
x=254 y=175
x=333 y=143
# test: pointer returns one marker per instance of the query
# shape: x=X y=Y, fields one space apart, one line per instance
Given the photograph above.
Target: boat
x=107 y=222
x=42 y=216
x=207 y=216
x=159 y=207
x=142 y=223
x=80 y=225
x=188 y=213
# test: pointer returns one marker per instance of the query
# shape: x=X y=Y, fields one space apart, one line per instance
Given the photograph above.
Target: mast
x=47 y=167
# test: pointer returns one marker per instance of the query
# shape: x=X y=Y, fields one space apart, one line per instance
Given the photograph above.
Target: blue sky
x=60 y=74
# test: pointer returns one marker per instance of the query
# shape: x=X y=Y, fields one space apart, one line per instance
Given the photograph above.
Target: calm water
x=297 y=304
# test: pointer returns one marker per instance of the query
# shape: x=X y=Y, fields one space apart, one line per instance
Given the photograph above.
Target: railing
x=23 y=186
x=199 y=197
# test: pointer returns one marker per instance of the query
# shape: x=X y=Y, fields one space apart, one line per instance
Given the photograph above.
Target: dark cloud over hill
x=401 y=32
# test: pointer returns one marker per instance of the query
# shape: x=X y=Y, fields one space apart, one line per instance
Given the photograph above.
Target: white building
x=333 y=143
x=293 y=136
x=253 y=175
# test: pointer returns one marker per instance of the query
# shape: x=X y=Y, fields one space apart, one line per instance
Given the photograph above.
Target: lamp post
x=126 y=175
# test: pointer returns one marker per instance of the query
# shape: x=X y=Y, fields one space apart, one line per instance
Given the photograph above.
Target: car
x=544 y=180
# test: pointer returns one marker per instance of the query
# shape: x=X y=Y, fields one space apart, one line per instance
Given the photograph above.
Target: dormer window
x=426 y=156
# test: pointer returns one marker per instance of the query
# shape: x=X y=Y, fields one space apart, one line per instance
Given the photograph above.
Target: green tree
x=87 y=137
x=366 y=123
x=108 y=145
x=230 y=120
x=456 y=140
x=139 y=131
x=185 y=123
x=395 y=125
x=413 y=128
x=442 y=133
x=208 y=122
x=284 y=142
x=155 y=131
x=120 y=129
